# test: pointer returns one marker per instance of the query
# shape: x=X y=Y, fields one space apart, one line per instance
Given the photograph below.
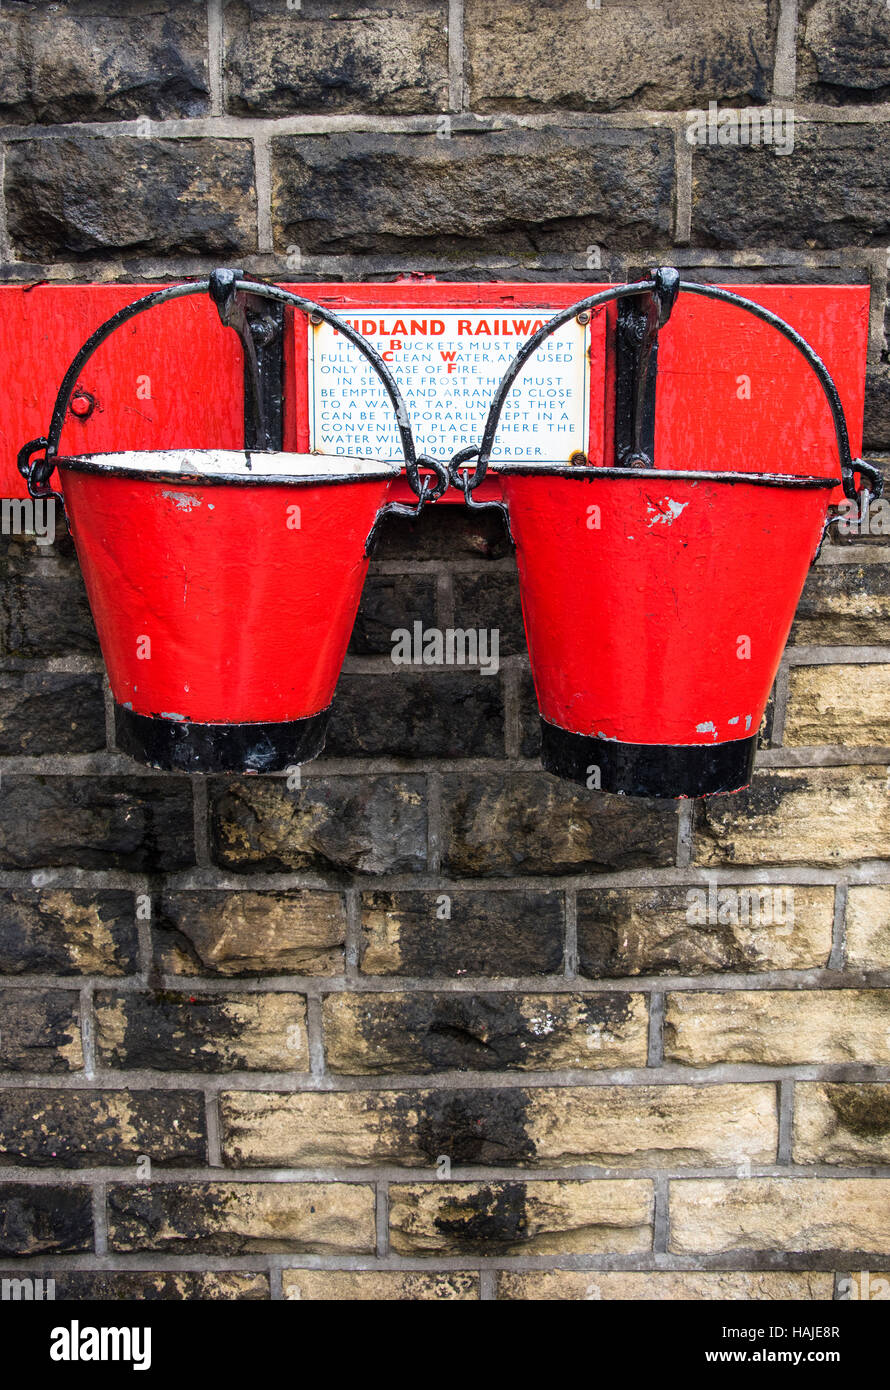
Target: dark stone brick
x=877 y=407
x=471 y=1127
x=382 y=56
x=51 y=714
x=531 y=823
x=40 y=1030
x=491 y=601
x=529 y=717
x=369 y=825
x=833 y=190
x=510 y=193
x=843 y=51
x=83 y=198
x=134 y=1286
x=524 y=57
x=43 y=604
x=202 y=1032
x=45 y=1220
x=447 y=532
x=496 y=934
x=375 y=1034
x=89 y=60
x=65 y=931
x=391 y=601
x=417 y=715
x=138 y=823
x=844 y=605
x=76 y=1129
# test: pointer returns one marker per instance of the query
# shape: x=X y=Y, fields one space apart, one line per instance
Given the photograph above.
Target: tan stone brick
x=424 y=1032
x=203 y=1032
x=778 y=1027
x=816 y=815
x=841 y=1123
x=538 y=1218
x=669 y=1287
x=805 y=1214
x=868 y=927
x=378 y=1285
x=608 y=1125
x=696 y=929
x=232 y=933
x=838 y=704
x=230 y=1217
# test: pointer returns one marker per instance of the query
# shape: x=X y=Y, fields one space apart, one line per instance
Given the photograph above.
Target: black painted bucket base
x=648 y=769
x=180 y=746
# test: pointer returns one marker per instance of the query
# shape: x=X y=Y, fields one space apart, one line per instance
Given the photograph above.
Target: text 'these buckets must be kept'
x=657 y=601
x=223 y=583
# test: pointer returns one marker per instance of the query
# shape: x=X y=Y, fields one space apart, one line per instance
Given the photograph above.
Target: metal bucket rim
x=586 y=473
x=184 y=464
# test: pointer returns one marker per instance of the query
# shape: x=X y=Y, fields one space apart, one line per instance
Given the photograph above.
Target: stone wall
x=438 y=1025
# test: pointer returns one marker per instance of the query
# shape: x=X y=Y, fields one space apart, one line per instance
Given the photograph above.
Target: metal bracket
x=259 y=324
x=636 y=368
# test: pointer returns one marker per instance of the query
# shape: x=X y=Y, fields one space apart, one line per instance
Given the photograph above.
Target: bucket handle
x=468 y=481
x=37 y=471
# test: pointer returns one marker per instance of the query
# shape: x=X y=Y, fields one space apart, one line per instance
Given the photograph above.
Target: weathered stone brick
x=68 y=931
x=132 y=1286
x=378 y=1285
x=231 y=1218
x=802 y=1214
x=490 y=601
x=672 y=1286
x=40 y=1030
x=877 y=407
x=670 y=930
x=778 y=1027
x=841 y=1123
x=868 y=927
x=75 y=1129
x=416 y=714
x=532 y=823
x=43 y=603
x=446 y=533
x=43 y=1220
x=832 y=191
x=826 y=815
x=529 y=717
x=235 y=933
x=208 y=1032
x=534 y=1218
x=609 y=1126
x=55 y=713
x=617 y=55
x=83 y=198
x=838 y=704
x=508 y=192
x=844 y=605
x=138 y=823
x=462 y=933
x=367 y=825
x=91 y=61
x=391 y=601
x=382 y=1033
x=842 y=52
x=383 y=56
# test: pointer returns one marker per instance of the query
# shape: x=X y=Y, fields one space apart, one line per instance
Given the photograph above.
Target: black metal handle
x=37 y=472
x=654 y=287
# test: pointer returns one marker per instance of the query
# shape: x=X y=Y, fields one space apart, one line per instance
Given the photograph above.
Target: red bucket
x=224 y=584
x=657 y=601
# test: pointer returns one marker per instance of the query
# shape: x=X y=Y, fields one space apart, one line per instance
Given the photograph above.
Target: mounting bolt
x=316 y=318
x=583 y=317
x=578 y=460
x=82 y=405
